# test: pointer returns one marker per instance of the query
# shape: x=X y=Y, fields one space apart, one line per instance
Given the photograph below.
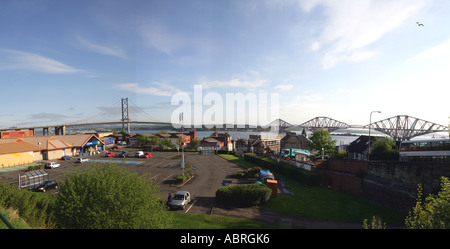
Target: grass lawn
x=205 y=221
x=13 y=218
x=323 y=203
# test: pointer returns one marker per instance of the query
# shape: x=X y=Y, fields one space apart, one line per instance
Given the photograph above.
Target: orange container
x=273 y=184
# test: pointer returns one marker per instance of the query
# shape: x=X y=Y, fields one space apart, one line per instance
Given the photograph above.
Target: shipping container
x=16 y=134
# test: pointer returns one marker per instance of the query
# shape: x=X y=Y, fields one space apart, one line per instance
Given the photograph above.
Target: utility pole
x=125 y=115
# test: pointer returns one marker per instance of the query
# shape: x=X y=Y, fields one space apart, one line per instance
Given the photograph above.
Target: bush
x=302 y=176
x=109 y=197
x=244 y=194
x=250 y=173
x=35 y=208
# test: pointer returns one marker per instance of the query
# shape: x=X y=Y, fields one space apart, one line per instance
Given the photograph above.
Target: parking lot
x=162 y=167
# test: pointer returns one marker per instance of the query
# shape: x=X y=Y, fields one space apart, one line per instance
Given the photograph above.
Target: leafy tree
x=434 y=212
x=166 y=143
x=143 y=141
x=109 y=197
x=195 y=143
x=384 y=149
x=322 y=139
x=154 y=140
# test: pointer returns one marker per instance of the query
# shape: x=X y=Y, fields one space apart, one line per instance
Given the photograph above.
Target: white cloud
x=250 y=84
x=441 y=50
x=351 y=26
x=284 y=87
x=162 y=89
x=112 y=50
x=18 y=60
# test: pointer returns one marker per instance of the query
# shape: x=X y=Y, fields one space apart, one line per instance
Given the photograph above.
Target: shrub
x=244 y=194
x=35 y=208
x=250 y=173
x=109 y=197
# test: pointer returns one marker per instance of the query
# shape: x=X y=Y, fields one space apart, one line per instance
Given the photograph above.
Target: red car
x=110 y=154
x=147 y=155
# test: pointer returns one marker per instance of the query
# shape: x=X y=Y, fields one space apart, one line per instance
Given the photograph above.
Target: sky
x=66 y=61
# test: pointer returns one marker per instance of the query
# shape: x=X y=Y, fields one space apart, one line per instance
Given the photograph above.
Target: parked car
x=82 y=160
x=124 y=154
x=180 y=200
x=139 y=153
x=47 y=185
x=52 y=165
x=147 y=155
x=66 y=158
x=110 y=154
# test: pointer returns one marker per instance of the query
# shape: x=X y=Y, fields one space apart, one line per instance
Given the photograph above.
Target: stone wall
x=395 y=183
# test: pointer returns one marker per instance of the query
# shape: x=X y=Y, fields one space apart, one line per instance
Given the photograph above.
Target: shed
x=32 y=179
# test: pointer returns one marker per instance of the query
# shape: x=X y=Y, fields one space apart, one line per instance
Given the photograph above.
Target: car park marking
x=164 y=179
x=187 y=210
x=154 y=176
x=113 y=161
x=157 y=164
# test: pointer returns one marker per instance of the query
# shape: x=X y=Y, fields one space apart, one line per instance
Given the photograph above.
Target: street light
x=370 y=127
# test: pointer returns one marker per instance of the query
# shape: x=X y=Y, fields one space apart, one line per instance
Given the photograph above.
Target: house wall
x=10 y=160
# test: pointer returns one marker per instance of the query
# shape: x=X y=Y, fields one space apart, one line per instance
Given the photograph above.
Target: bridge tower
x=125 y=115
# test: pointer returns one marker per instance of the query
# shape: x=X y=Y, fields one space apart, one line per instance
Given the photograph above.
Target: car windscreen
x=178 y=197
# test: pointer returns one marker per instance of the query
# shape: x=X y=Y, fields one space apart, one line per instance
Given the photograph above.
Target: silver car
x=180 y=200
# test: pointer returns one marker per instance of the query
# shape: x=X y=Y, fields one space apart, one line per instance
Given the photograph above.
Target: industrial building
x=14 y=153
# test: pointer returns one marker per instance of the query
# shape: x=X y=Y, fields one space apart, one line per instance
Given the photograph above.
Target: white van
x=139 y=153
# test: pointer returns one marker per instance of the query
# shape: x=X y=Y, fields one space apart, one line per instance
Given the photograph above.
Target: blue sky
x=62 y=61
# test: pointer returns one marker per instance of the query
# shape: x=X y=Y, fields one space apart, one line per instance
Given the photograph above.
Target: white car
x=53 y=165
x=139 y=153
x=180 y=200
x=82 y=160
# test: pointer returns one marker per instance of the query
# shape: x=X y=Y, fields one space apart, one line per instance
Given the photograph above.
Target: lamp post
x=370 y=127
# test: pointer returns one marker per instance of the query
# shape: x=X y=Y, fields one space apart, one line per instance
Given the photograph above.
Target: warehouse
x=16 y=153
x=51 y=147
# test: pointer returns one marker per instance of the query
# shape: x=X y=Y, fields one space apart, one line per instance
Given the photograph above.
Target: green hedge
x=244 y=194
x=35 y=208
x=302 y=176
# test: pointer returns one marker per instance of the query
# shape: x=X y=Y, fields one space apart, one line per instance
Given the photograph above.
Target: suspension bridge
x=400 y=127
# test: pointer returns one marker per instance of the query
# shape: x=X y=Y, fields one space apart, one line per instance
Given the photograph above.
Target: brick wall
x=342 y=175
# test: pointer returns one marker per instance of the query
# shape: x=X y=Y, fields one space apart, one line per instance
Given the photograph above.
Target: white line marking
x=190 y=207
x=165 y=178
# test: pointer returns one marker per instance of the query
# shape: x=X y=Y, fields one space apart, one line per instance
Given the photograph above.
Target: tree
x=154 y=140
x=166 y=143
x=321 y=139
x=143 y=141
x=384 y=149
x=109 y=197
x=195 y=143
x=434 y=212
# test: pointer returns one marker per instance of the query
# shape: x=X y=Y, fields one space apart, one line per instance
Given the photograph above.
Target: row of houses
x=26 y=150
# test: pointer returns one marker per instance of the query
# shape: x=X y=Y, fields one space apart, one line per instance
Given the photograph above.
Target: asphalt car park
x=161 y=167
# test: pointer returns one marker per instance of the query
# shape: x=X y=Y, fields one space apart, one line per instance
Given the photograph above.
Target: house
x=13 y=153
x=224 y=138
x=358 y=149
x=211 y=143
x=292 y=140
x=242 y=145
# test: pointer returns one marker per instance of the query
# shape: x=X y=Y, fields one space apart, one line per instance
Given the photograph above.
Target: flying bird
x=419 y=24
